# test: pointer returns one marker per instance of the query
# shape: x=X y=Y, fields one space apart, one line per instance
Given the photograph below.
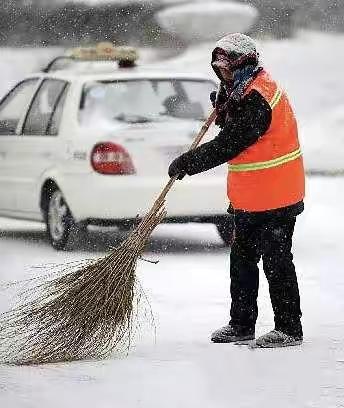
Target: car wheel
x=226 y=229
x=61 y=227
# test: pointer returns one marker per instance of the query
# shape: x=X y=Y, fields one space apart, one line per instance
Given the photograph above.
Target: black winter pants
x=259 y=235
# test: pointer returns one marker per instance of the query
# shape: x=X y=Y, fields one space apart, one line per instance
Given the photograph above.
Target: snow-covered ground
x=189 y=288
x=188 y=291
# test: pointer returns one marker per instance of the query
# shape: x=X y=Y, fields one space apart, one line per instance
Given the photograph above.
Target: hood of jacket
x=237 y=50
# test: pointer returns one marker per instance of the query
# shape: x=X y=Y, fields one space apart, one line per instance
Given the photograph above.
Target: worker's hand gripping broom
x=158 y=204
x=86 y=312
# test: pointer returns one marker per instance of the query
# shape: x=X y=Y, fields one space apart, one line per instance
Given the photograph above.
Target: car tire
x=63 y=231
x=226 y=229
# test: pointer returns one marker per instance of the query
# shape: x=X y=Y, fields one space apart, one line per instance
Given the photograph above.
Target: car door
x=12 y=109
x=39 y=148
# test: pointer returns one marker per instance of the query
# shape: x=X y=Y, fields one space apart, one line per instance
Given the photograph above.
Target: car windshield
x=142 y=101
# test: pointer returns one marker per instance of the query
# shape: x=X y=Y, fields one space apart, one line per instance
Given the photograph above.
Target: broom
x=88 y=310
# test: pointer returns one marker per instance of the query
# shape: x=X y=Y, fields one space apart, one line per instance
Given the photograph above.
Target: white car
x=84 y=146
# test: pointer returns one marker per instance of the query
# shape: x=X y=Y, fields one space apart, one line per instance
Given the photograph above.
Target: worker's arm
x=250 y=121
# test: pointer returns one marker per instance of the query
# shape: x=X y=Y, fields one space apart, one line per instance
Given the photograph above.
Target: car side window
x=54 y=125
x=42 y=109
x=14 y=105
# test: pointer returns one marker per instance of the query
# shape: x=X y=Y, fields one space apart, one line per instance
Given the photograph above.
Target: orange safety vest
x=269 y=174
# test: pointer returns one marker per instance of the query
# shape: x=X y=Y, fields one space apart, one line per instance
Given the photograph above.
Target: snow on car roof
x=123 y=73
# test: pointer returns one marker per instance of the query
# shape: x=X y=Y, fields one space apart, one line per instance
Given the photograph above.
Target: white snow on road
x=188 y=291
x=189 y=288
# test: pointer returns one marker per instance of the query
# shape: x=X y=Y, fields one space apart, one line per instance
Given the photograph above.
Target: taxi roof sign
x=105 y=51
x=125 y=56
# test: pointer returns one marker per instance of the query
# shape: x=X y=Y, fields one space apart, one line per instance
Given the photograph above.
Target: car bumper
x=126 y=197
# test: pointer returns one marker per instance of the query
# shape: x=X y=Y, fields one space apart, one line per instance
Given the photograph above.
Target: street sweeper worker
x=266 y=187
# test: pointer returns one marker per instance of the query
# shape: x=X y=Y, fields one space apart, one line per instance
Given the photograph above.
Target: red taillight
x=111 y=158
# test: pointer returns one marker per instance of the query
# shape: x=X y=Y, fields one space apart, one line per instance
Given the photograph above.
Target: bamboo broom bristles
x=88 y=310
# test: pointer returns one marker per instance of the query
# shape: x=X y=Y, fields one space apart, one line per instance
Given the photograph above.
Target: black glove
x=217 y=97
x=213 y=96
x=177 y=168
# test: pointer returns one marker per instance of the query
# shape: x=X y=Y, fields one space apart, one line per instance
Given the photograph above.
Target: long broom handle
x=195 y=143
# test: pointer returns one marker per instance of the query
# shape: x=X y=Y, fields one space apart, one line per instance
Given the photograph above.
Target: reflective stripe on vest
x=277 y=97
x=269 y=174
x=270 y=163
x=266 y=164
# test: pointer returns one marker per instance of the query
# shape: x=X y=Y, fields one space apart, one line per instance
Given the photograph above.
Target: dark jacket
x=248 y=121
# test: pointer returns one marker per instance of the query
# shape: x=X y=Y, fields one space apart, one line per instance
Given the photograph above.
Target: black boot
x=231 y=334
x=275 y=339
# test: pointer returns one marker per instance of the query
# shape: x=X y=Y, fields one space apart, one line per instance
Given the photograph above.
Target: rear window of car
x=145 y=100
